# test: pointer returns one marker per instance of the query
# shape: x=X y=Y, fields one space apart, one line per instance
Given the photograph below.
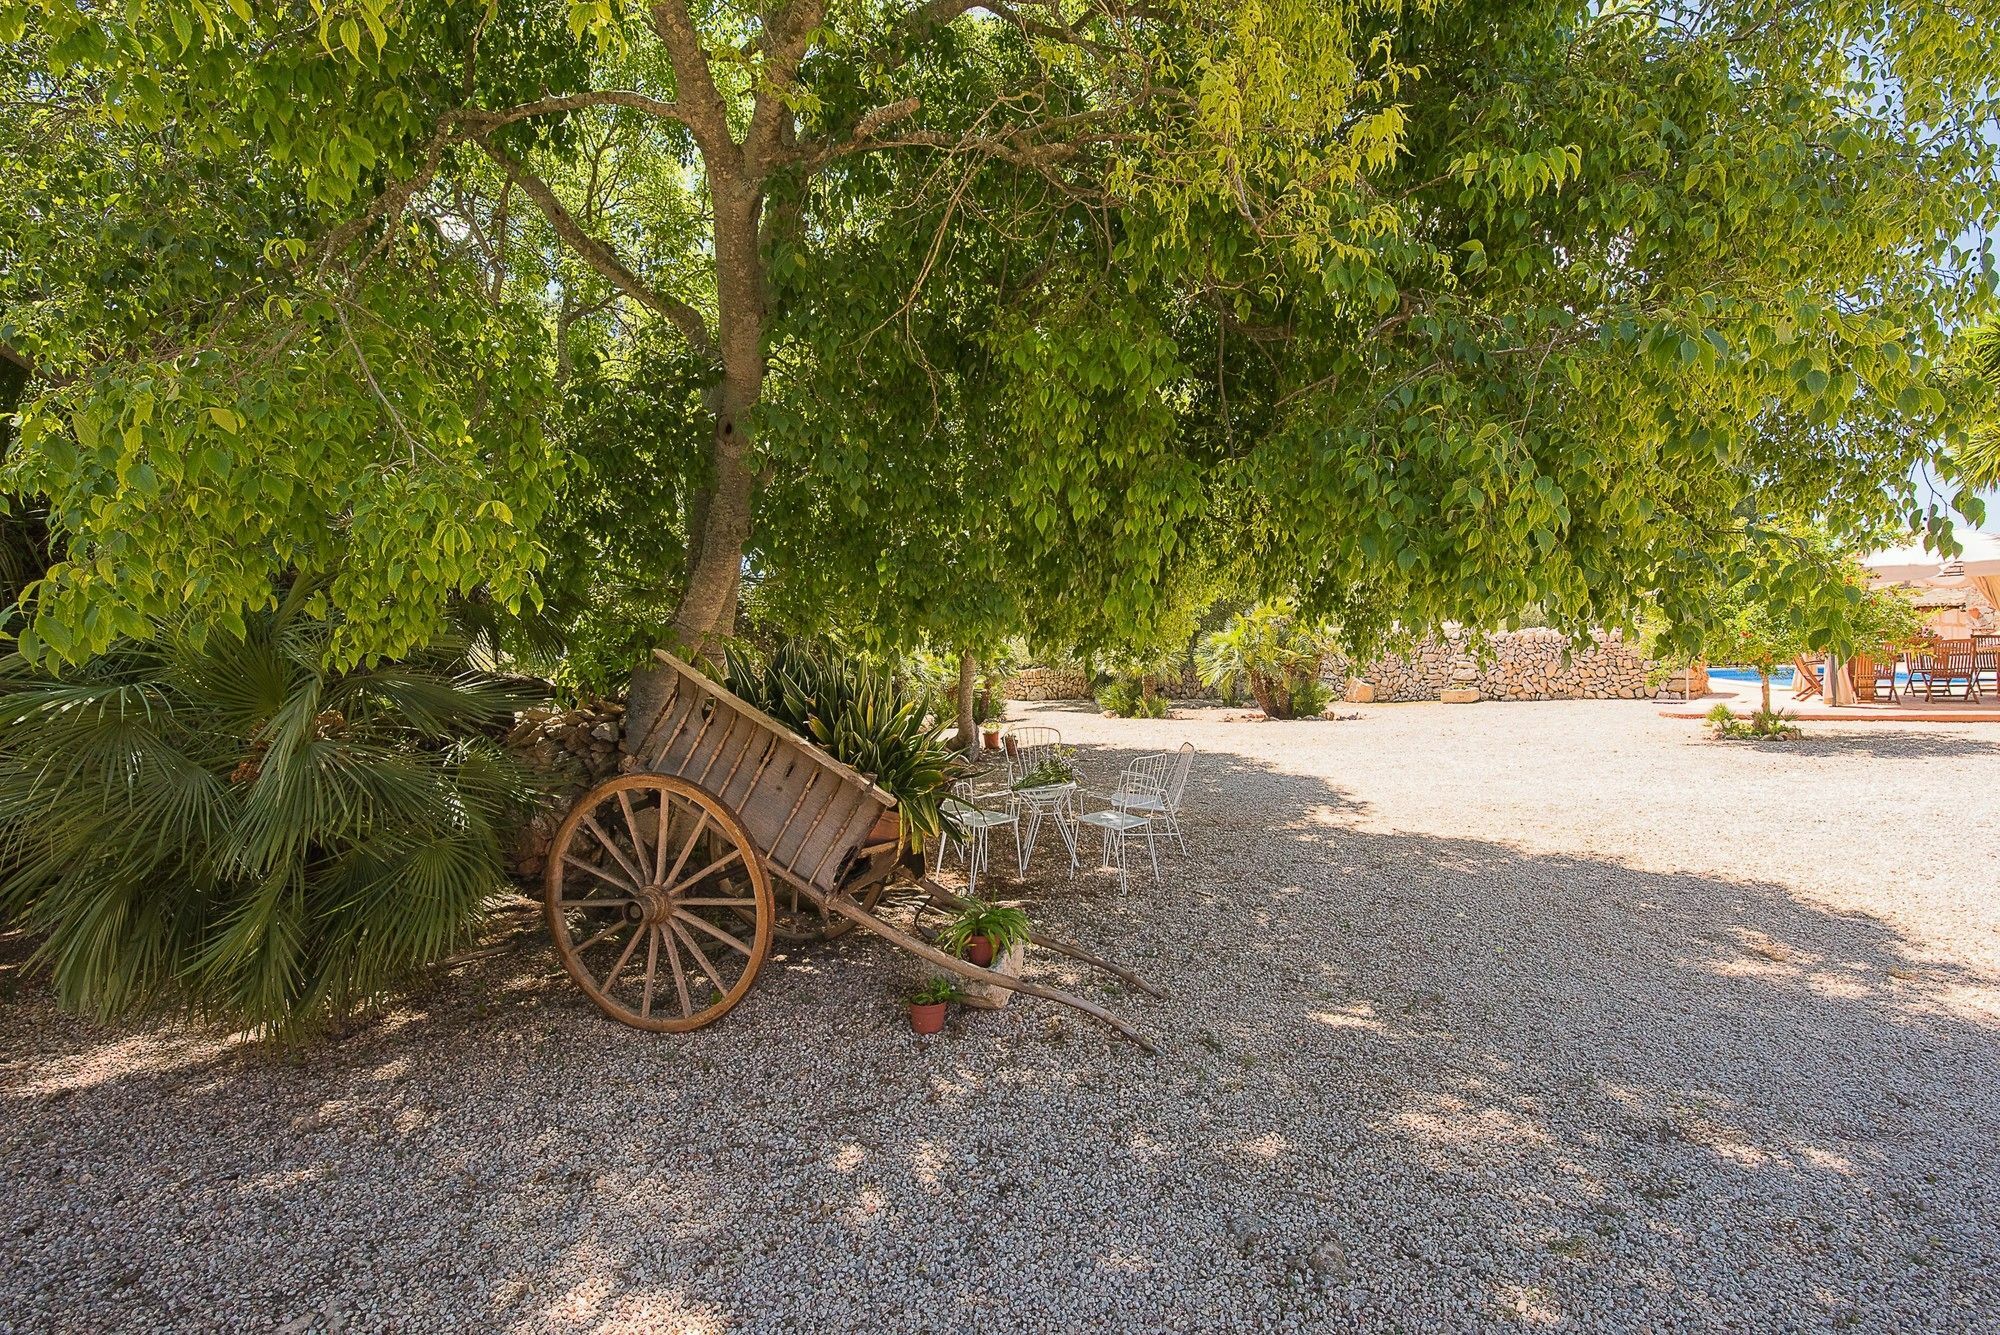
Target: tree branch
x=603 y=259
x=480 y=121
x=706 y=113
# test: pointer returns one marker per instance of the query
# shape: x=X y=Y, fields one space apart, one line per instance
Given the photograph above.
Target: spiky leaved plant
x=231 y=828
x=860 y=716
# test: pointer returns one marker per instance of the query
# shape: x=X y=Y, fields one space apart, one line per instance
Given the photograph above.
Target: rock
x=605 y=732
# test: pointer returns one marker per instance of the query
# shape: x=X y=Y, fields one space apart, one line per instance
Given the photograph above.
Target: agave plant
x=231 y=828
x=860 y=716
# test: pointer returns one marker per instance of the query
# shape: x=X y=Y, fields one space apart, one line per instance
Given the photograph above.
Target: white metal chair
x=1116 y=829
x=1027 y=749
x=1153 y=786
x=977 y=824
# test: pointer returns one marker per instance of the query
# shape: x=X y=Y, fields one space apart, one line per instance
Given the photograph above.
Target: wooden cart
x=660 y=890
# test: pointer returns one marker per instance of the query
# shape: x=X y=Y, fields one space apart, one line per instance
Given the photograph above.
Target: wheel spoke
x=632 y=825
x=680 y=974
x=601 y=935
x=716 y=903
x=694 y=836
x=600 y=873
x=620 y=902
x=611 y=847
x=713 y=867
x=652 y=967
x=694 y=948
x=611 y=979
x=712 y=930
x=662 y=809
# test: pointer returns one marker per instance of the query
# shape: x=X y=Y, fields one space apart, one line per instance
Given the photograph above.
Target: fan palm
x=230 y=827
x=1270 y=650
x=1979 y=458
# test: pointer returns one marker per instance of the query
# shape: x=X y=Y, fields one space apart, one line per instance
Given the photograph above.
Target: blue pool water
x=1782 y=677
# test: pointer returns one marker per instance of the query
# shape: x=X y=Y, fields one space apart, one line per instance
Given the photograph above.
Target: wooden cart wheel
x=659 y=904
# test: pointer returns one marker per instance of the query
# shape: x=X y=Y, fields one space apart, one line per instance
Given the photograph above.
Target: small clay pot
x=928 y=1019
x=979 y=950
x=1013 y=747
x=993 y=739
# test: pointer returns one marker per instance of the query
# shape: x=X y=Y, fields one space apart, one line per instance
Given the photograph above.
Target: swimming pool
x=1782 y=677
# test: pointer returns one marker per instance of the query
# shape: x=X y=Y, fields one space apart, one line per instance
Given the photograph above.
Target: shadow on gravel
x=1434 y=1083
x=1880 y=741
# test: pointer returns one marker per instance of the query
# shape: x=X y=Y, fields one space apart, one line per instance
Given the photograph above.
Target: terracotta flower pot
x=979 y=950
x=928 y=1019
x=1013 y=747
x=993 y=740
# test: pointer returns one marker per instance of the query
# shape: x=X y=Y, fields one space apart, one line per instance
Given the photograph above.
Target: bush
x=1766 y=724
x=1310 y=697
x=862 y=717
x=230 y=828
x=1126 y=697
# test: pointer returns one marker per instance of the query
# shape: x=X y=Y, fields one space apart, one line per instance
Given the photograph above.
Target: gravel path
x=1548 y=1015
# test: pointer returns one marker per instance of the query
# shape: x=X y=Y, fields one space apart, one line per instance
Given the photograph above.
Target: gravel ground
x=1548 y=1015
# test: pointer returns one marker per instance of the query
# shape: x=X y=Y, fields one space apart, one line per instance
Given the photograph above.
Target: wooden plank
x=684 y=702
x=836 y=795
x=852 y=830
x=721 y=693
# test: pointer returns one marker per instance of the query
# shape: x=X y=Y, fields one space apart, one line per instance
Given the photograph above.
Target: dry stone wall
x=1045 y=683
x=1516 y=665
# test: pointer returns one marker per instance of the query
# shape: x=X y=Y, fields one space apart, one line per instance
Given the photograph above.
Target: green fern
x=229 y=828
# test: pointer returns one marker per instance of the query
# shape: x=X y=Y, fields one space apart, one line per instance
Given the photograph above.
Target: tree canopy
x=947 y=316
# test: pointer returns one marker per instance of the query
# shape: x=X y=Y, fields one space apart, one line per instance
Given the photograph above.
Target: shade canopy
x=1915 y=564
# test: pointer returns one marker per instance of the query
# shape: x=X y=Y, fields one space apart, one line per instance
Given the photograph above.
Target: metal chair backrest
x=1150 y=773
x=1026 y=754
x=1183 y=762
x=1034 y=735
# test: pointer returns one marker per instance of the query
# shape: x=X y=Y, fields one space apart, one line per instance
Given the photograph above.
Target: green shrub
x=862 y=717
x=1126 y=697
x=1767 y=724
x=1309 y=696
x=230 y=828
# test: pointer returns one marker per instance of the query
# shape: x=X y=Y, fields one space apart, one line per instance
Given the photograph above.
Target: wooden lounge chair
x=1882 y=684
x=1924 y=667
x=1960 y=675
x=1805 y=679
x=1986 y=663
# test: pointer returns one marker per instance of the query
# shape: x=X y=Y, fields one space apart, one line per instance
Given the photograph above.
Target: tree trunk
x=1764 y=676
x=968 y=724
x=719 y=523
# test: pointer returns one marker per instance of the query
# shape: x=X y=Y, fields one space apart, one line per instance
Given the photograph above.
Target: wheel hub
x=655 y=906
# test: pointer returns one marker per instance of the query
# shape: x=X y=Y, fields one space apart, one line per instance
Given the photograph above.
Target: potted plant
x=927 y=1004
x=982 y=930
x=990 y=730
x=1058 y=768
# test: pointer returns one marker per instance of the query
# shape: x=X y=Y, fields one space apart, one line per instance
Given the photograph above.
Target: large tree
x=1436 y=310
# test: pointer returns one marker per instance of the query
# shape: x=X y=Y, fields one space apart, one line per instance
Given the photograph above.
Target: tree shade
x=969 y=315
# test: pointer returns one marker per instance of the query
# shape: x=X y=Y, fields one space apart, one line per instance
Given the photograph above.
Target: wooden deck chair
x=1986 y=662
x=1923 y=668
x=1882 y=682
x=1960 y=676
x=1805 y=679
